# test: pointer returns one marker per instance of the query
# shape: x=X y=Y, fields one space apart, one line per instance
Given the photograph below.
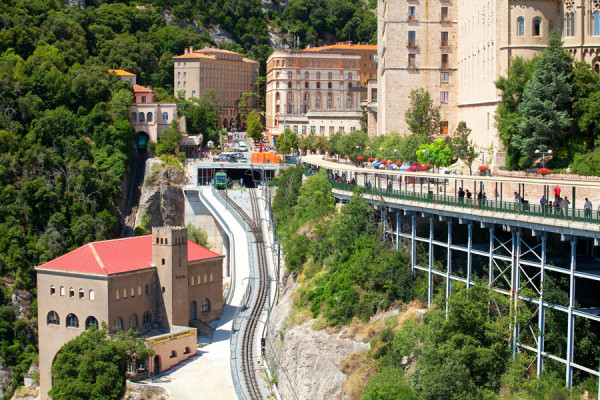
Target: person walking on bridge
x=587 y=206
x=556 y=194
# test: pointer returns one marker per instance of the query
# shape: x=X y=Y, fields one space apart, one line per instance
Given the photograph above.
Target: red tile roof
x=140 y=89
x=345 y=46
x=117 y=256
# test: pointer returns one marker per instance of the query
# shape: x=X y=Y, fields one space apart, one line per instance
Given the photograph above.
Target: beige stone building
x=313 y=91
x=483 y=37
x=161 y=285
x=151 y=118
x=198 y=72
x=417 y=49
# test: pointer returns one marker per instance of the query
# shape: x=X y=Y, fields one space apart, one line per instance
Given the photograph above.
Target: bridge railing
x=513 y=207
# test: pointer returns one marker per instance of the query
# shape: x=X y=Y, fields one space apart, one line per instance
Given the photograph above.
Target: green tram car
x=221 y=180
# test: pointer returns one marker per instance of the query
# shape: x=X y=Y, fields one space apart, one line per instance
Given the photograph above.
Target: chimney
x=191 y=49
x=185 y=51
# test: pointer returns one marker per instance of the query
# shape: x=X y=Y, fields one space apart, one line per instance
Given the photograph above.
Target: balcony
x=412 y=18
x=444 y=66
x=412 y=44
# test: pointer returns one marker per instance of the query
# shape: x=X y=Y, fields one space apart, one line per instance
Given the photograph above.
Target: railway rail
x=256 y=309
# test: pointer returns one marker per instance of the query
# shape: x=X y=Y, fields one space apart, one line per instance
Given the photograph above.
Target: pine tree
x=546 y=106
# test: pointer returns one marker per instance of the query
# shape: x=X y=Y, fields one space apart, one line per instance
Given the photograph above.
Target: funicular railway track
x=256 y=309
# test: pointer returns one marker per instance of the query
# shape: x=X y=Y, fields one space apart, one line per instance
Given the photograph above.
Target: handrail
x=535 y=210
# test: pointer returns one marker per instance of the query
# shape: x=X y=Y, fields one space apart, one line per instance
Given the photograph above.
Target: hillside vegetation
x=65 y=138
x=348 y=272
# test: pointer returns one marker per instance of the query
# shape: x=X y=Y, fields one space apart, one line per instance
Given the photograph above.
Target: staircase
x=203 y=328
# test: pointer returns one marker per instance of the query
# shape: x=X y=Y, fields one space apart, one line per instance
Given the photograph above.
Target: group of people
x=481 y=196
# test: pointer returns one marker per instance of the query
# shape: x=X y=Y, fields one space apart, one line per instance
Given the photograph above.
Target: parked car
x=243 y=159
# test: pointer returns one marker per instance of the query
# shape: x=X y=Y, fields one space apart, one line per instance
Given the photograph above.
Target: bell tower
x=170 y=255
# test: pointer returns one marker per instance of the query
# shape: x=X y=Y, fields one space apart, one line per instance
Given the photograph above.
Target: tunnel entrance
x=249 y=178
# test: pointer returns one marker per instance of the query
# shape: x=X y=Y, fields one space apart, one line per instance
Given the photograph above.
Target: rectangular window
x=444 y=77
x=444 y=14
x=322 y=130
x=411 y=13
x=444 y=60
x=283 y=63
x=444 y=97
x=193 y=93
x=444 y=38
x=178 y=74
x=143 y=99
x=306 y=63
x=444 y=127
x=412 y=38
x=331 y=130
x=411 y=60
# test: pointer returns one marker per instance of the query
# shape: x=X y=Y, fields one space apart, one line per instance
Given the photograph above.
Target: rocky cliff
x=162 y=196
x=311 y=360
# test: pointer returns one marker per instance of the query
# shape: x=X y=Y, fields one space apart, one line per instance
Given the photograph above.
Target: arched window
x=132 y=291
x=306 y=75
x=193 y=309
x=139 y=290
x=133 y=321
x=212 y=277
x=141 y=117
x=318 y=75
x=91 y=321
x=318 y=101
x=165 y=116
x=125 y=293
x=62 y=290
x=306 y=97
x=349 y=101
x=71 y=292
x=290 y=86
x=305 y=85
x=349 y=84
x=186 y=350
x=330 y=75
x=596 y=18
x=147 y=290
x=52 y=290
x=205 y=278
x=278 y=63
x=118 y=324
x=289 y=75
x=133 y=117
x=277 y=96
x=72 y=321
x=173 y=354
x=329 y=100
x=537 y=26
x=350 y=76
x=147 y=319
x=81 y=293
x=277 y=75
x=276 y=85
x=149 y=117
x=329 y=85
x=52 y=318
x=570 y=24
x=92 y=295
x=318 y=85
x=520 y=26
x=205 y=305
x=117 y=294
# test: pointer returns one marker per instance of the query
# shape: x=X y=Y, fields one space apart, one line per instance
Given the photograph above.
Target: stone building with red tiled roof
x=161 y=285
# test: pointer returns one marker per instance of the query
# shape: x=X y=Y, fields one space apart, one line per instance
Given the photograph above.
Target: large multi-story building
x=458 y=49
x=313 y=92
x=161 y=285
x=417 y=49
x=198 y=72
x=367 y=53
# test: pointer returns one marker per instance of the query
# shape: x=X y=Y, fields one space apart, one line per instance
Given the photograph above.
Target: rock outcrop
x=162 y=196
x=311 y=359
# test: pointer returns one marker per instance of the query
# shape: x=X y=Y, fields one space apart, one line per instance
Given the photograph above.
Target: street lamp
x=369 y=147
x=395 y=151
x=380 y=149
x=543 y=156
x=358 y=147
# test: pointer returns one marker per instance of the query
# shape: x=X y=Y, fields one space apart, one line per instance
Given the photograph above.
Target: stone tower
x=170 y=255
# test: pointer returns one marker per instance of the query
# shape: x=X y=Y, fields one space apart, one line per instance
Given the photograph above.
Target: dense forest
x=65 y=138
x=347 y=272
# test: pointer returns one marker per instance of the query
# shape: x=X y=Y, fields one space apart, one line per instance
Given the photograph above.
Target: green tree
x=255 y=128
x=285 y=143
x=197 y=235
x=546 y=105
x=436 y=153
x=169 y=139
x=93 y=365
x=423 y=117
x=507 y=114
x=462 y=146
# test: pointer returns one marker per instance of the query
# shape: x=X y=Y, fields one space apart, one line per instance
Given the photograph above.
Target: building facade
x=313 y=91
x=160 y=285
x=367 y=53
x=417 y=49
x=198 y=72
x=483 y=37
x=151 y=118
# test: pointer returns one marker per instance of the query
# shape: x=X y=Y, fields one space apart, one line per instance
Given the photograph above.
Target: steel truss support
x=398 y=227
x=541 y=309
x=449 y=265
x=571 y=321
x=430 y=277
